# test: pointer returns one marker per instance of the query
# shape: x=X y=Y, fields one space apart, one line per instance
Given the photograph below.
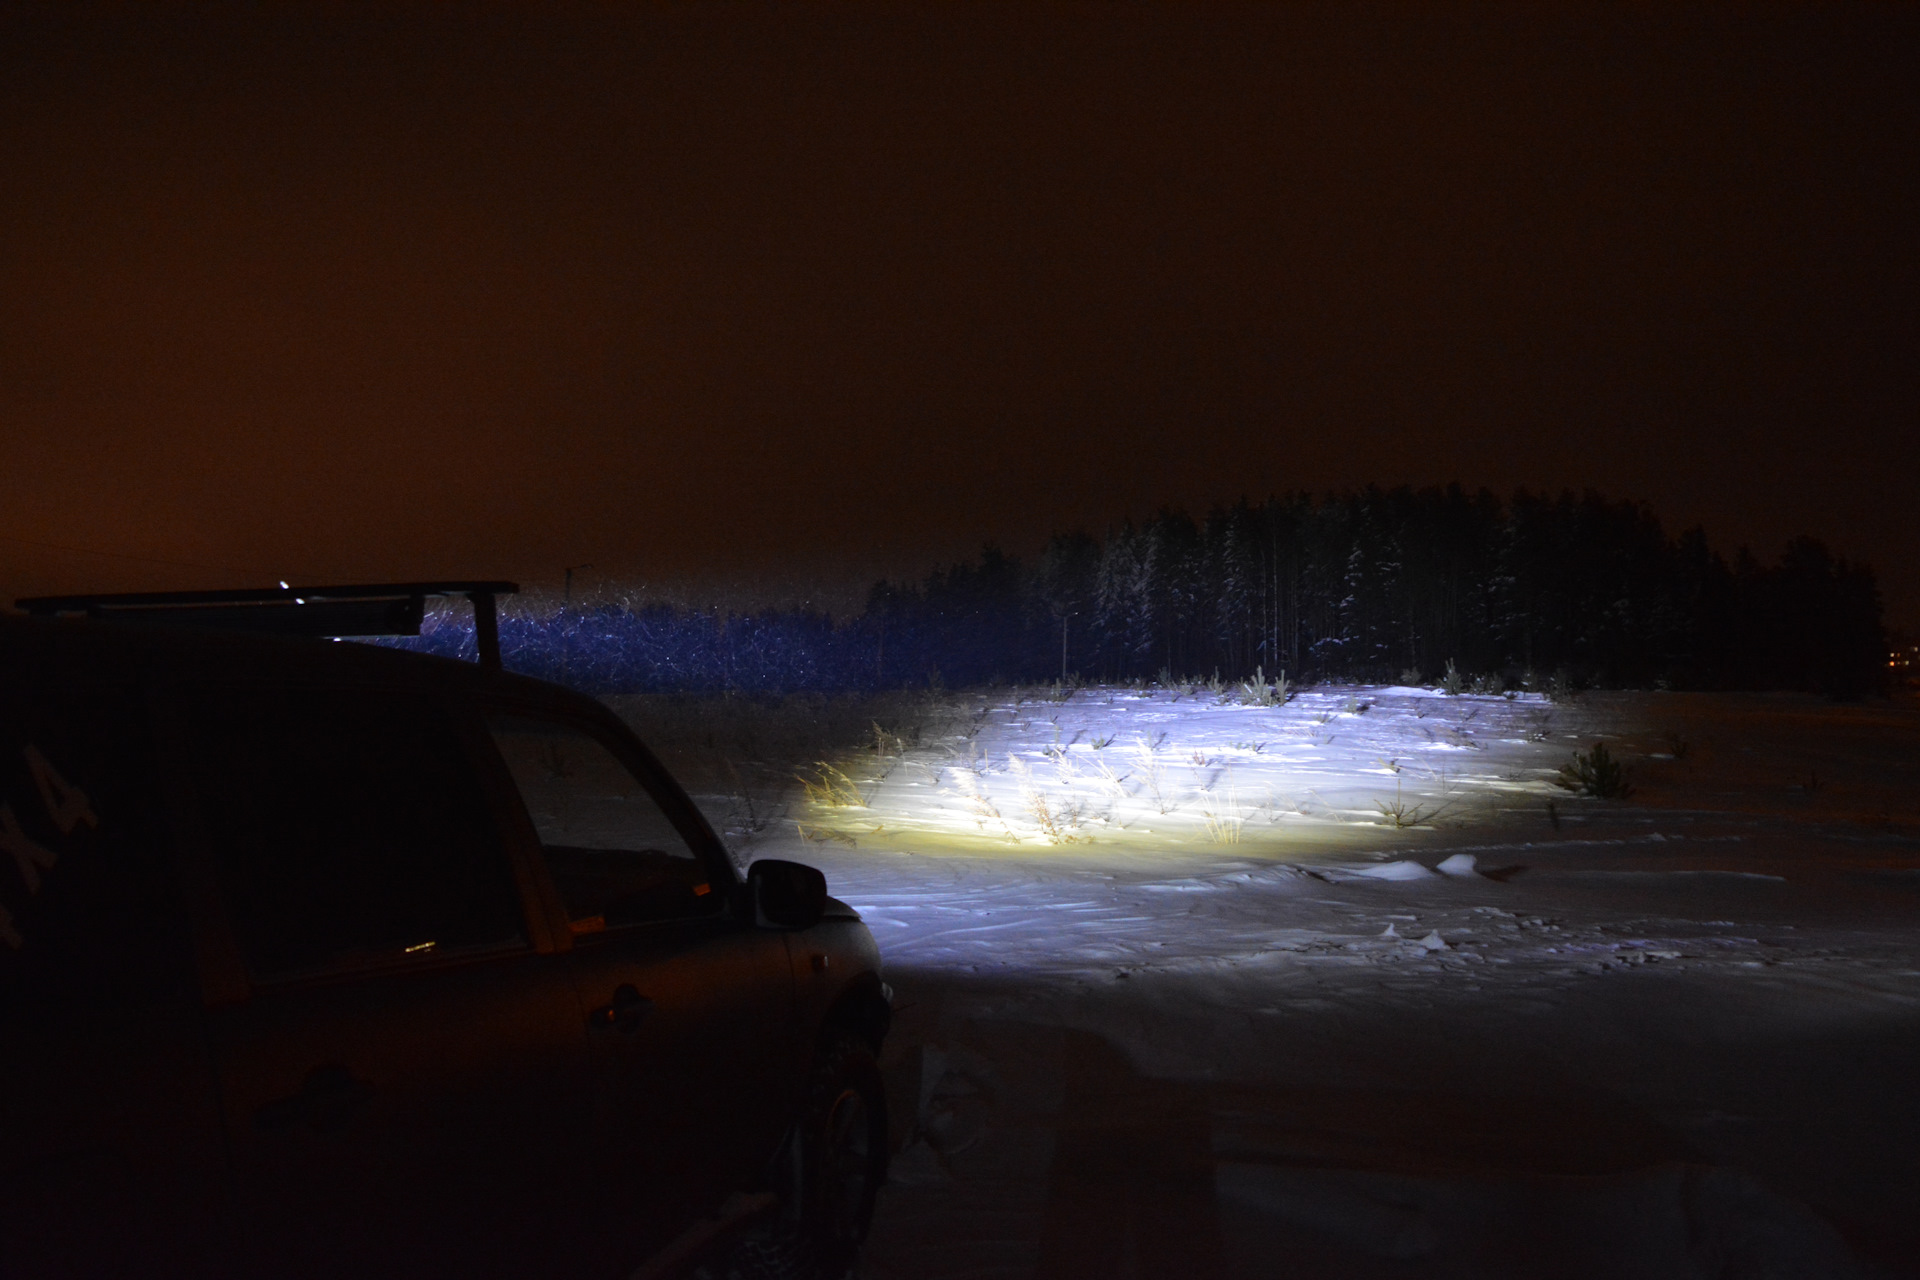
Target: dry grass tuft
x=833 y=788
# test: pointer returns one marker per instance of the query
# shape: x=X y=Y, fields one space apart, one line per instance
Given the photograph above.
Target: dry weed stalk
x=1223 y=825
x=974 y=792
x=1114 y=784
x=1057 y=825
x=1150 y=772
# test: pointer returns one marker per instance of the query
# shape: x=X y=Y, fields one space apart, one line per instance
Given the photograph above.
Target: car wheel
x=835 y=1159
x=843 y=1151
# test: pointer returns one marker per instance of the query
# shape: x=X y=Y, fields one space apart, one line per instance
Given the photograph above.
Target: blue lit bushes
x=609 y=649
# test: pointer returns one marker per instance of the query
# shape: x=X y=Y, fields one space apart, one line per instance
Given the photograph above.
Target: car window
x=614 y=854
x=351 y=829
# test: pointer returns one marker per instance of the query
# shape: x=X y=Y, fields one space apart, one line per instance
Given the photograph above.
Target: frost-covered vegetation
x=1458 y=589
x=1171 y=771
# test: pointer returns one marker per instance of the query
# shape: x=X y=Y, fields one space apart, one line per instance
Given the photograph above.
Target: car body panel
x=380 y=1125
x=693 y=1097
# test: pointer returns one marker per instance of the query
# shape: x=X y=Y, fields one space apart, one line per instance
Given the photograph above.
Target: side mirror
x=786 y=895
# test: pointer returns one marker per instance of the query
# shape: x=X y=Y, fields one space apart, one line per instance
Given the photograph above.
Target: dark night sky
x=789 y=297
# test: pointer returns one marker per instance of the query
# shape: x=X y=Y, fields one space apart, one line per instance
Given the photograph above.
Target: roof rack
x=363 y=609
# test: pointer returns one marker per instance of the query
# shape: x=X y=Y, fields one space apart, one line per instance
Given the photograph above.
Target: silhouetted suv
x=331 y=960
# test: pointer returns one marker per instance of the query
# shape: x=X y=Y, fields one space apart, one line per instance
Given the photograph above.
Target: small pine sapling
x=1401 y=813
x=1256 y=692
x=1595 y=773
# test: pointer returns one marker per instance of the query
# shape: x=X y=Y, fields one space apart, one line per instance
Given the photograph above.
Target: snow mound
x=1401 y=869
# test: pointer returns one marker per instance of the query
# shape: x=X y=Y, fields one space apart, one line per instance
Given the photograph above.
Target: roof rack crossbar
x=49 y=605
x=361 y=609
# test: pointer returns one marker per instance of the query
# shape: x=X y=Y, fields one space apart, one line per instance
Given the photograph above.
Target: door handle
x=624 y=1015
x=328 y=1098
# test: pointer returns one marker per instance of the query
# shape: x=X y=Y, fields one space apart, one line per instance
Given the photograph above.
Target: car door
x=111 y=1160
x=690 y=1008
x=402 y=1071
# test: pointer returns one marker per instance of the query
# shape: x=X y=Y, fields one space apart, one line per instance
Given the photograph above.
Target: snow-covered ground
x=1349 y=987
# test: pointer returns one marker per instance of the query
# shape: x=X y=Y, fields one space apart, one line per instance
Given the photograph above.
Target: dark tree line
x=1373 y=584
x=1364 y=586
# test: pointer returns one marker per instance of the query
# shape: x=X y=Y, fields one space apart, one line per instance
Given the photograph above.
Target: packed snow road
x=1349 y=987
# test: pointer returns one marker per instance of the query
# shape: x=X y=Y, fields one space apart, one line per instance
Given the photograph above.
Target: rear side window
x=350 y=828
x=613 y=852
x=87 y=915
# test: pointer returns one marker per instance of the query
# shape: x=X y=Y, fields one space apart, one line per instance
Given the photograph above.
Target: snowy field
x=1349 y=987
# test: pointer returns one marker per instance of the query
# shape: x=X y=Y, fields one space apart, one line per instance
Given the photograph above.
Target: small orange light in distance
x=702 y=890
x=592 y=924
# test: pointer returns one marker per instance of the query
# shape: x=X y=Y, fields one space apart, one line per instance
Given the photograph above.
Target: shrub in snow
x=1595 y=773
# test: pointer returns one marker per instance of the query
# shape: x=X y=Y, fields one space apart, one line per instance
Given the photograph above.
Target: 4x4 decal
x=68 y=807
x=66 y=804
